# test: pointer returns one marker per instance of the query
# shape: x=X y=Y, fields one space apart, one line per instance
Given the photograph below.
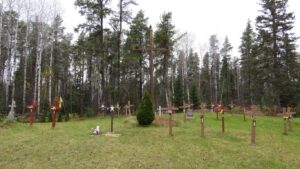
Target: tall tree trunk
x=119 y=50
x=14 y=51
x=50 y=77
x=25 y=65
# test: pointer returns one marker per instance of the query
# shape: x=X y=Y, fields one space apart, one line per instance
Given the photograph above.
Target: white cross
x=112 y=108
x=159 y=110
x=13 y=105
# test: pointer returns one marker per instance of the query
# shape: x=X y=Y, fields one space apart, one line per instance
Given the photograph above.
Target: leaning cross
x=170 y=109
x=32 y=108
x=150 y=48
x=11 y=114
x=128 y=108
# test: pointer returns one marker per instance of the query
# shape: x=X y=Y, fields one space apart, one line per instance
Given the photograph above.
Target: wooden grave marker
x=170 y=109
x=150 y=49
x=287 y=118
x=11 y=114
x=203 y=106
x=128 y=108
x=111 y=109
x=187 y=115
x=55 y=108
x=32 y=107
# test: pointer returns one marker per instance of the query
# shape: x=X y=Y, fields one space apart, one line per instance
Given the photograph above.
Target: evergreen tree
x=164 y=38
x=178 y=91
x=145 y=114
x=206 y=93
x=248 y=63
x=226 y=75
x=194 y=97
x=276 y=45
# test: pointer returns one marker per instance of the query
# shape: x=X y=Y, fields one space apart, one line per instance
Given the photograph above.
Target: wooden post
x=285 y=125
x=170 y=110
x=53 y=118
x=111 y=119
x=244 y=113
x=223 y=121
x=202 y=124
x=253 y=131
x=32 y=108
x=289 y=123
x=150 y=49
x=170 y=125
x=55 y=108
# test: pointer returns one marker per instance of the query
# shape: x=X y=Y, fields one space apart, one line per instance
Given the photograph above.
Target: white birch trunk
x=25 y=64
x=50 y=77
x=36 y=63
x=14 y=51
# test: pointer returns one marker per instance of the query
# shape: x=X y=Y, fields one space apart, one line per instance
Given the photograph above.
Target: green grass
x=69 y=145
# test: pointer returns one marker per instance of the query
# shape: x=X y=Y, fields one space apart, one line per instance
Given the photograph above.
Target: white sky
x=201 y=18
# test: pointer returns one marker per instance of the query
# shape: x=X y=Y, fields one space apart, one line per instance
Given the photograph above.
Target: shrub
x=145 y=114
x=297 y=110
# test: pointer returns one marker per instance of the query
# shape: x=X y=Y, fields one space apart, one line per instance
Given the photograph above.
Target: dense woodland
x=39 y=61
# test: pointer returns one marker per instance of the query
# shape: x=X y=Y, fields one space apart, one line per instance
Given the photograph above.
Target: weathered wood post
x=244 y=113
x=223 y=121
x=202 y=118
x=253 y=131
x=170 y=110
x=202 y=124
x=289 y=123
x=32 y=108
x=55 y=108
x=285 y=125
x=112 y=119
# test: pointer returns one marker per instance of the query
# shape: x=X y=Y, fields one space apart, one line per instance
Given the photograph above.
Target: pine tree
x=194 y=97
x=178 y=91
x=248 y=63
x=145 y=114
x=274 y=26
x=225 y=76
x=206 y=93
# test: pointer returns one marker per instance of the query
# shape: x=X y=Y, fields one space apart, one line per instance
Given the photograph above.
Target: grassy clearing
x=69 y=145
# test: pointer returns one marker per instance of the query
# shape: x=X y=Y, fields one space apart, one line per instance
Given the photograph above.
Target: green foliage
x=297 y=110
x=277 y=59
x=88 y=111
x=145 y=114
x=45 y=112
x=195 y=97
x=178 y=91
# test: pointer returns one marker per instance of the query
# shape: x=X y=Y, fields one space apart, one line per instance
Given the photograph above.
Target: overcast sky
x=201 y=18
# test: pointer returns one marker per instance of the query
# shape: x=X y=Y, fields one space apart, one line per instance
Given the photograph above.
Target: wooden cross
x=184 y=107
x=55 y=108
x=128 y=108
x=287 y=117
x=150 y=49
x=32 y=108
x=170 y=109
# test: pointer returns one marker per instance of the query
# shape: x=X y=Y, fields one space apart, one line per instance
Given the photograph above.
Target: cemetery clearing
x=70 y=145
